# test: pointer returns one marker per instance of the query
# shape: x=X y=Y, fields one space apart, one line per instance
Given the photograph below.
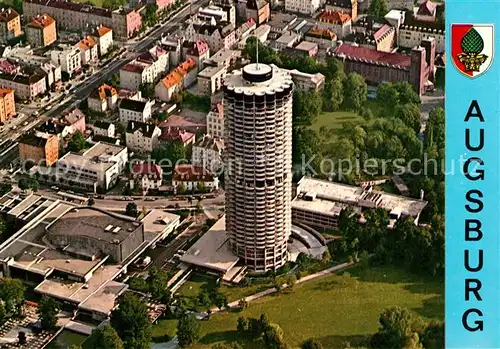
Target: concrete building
x=134 y=110
x=104 y=38
x=207 y=153
x=10 y=24
x=216 y=35
x=259 y=10
x=370 y=33
x=41 y=31
x=413 y=31
x=286 y=41
x=7 y=104
x=65 y=125
x=68 y=57
x=142 y=137
x=222 y=13
x=210 y=80
x=193 y=178
x=145 y=69
x=224 y=57
x=146 y=176
x=26 y=87
x=325 y=38
x=340 y=23
x=39 y=148
x=104 y=98
x=306 y=82
x=215 y=121
x=258 y=158
x=319 y=203
x=88 y=50
x=416 y=68
x=307 y=7
x=197 y=51
x=306 y=48
x=183 y=76
x=97 y=169
x=81 y=16
x=104 y=129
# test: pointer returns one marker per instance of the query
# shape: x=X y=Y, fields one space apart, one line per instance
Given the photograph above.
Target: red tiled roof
x=334 y=17
x=176 y=135
x=101 y=31
x=322 y=34
x=133 y=68
x=5 y=91
x=179 y=121
x=362 y=53
x=103 y=91
x=146 y=169
x=42 y=21
x=176 y=76
x=192 y=173
x=379 y=33
x=87 y=43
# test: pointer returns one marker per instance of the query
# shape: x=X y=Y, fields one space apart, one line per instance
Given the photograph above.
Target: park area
x=335 y=309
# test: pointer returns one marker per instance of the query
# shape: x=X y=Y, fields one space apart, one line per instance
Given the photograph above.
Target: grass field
x=334 y=309
x=66 y=339
x=333 y=122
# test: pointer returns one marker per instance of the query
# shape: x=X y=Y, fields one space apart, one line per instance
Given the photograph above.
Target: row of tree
x=262 y=332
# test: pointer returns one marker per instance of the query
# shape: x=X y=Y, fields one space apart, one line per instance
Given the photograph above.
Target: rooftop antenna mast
x=257 y=49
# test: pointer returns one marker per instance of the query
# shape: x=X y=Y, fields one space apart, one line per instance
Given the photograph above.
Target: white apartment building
x=134 y=110
x=216 y=35
x=104 y=38
x=68 y=57
x=145 y=69
x=307 y=7
x=89 y=50
x=25 y=87
x=412 y=35
x=97 y=168
x=104 y=98
x=192 y=178
x=224 y=14
x=104 y=129
x=211 y=79
x=146 y=176
x=142 y=137
x=207 y=153
x=215 y=121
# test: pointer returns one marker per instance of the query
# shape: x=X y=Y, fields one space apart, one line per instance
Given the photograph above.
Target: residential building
x=416 y=68
x=89 y=51
x=162 y=4
x=98 y=168
x=371 y=34
x=319 y=203
x=211 y=79
x=245 y=29
x=104 y=98
x=104 y=38
x=307 y=7
x=349 y=7
x=222 y=13
x=142 y=137
x=412 y=31
x=340 y=23
x=207 y=153
x=260 y=32
x=7 y=67
x=400 y=4
x=10 y=24
x=259 y=10
x=197 y=51
x=215 y=121
x=171 y=134
x=104 y=129
x=145 y=69
x=325 y=38
x=173 y=45
x=193 y=178
x=146 y=176
x=225 y=58
x=286 y=41
x=26 y=87
x=82 y=16
x=134 y=110
x=306 y=48
x=41 y=31
x=282 y=24
x=39 y=148
x=68 y=57
x=426 y=11
x=7 y=104
x=181 y=77
x=305 y=81
x=258 y=142
x=216 y=35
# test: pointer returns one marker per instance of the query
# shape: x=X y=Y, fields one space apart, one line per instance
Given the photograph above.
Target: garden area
x=336 y=309
x=66 y=339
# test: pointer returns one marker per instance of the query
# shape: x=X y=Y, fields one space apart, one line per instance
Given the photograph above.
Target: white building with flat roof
x=319 y=203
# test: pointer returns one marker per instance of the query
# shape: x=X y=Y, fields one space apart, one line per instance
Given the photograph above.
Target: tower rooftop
x=258 y=79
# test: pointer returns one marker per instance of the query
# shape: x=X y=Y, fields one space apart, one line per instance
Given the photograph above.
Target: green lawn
x=333 y=122
x=66 y=339
x=164 y=330
x=335 y=309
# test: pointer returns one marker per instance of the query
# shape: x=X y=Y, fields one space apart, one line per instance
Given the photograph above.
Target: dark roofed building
x=349 y=7
x=142 y=137
x=259 y=10
x=135 y=110
x=39 y=148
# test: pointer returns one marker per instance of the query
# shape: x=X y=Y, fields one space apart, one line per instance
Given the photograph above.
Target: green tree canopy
x=132 y=323
x=395 y=328
x=47 y=311
x=355 y=91
x=312 y=344
x=378 y=8
x=131 y=210
x=105 y=337
x=158 y=280
x=188 y=330
x=77 y=142
x=11 y=293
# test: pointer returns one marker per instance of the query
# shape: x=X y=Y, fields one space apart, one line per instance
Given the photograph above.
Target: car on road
x=54 y=187
x=47 y=108
x=35 y=113
x=25 y=123
x=150 y=199
x=14 y=127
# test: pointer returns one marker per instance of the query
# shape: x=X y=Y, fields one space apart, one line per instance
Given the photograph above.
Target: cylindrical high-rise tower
x=258 y=156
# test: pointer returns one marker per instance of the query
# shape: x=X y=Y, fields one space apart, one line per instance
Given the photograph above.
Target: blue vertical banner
x=472 y=174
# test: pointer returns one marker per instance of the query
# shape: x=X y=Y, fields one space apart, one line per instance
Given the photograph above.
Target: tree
x=188 y=330
x=312 y=344
x=410 y=115
x=131 y=210
x=105 y=337
x=326 y=258
x=395 y=328
x=221 y=301
x=158 y=280
x=147 y=89
x=5 y=188
x=433 y=335
x=11 y=293
x=150 y=17
x=28 y=183
x=113 y=4
x=3 y=313
x=169 y=154
x=77 y=142
x=137 y=283
x=266 y=54
x=91 y=202
x=242 y=325
x=273 y=336
x=387 y=96
x=378 y=8
x=47 y=312
x=333 y=94
x=132 y=323
x=306 y=107
x=355 y=91
x=234 y=345
x=243 y=304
